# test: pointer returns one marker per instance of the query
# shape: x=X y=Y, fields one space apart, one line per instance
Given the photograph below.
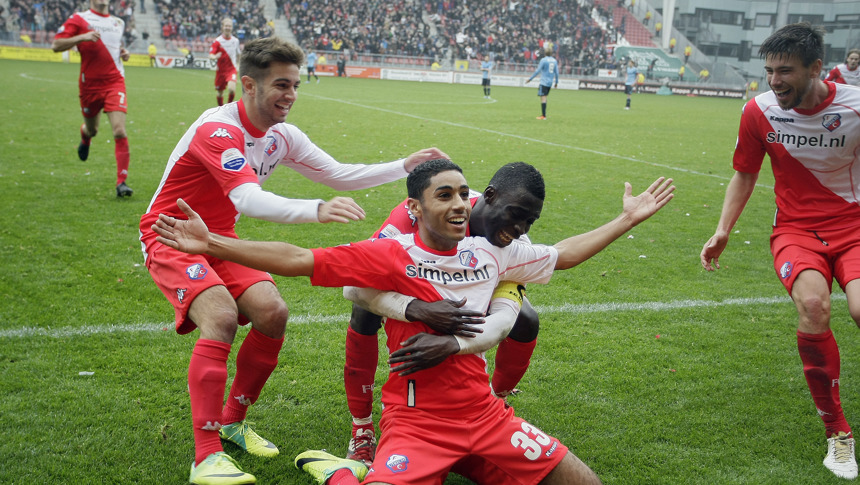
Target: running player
x=98 y=37
x=225 y=51
x=810 y=130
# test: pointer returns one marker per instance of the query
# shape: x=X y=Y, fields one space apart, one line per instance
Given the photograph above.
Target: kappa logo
x=468 y=259
x=397 y=463
x=196 y=271
x=180 y=294
x=832 y=121
x=232 y=160
x=271 y=145
x=221 y=133
x=785 y=270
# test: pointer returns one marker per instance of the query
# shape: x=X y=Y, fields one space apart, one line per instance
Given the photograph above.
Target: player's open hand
x=422 y=351
x=189 y=236
x=340 y=209
x=649 y=202
x=422 y=156
x=446 y=316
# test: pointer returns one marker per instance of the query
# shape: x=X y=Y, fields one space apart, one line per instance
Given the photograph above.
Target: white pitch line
x=342 y=319
x=529 y=139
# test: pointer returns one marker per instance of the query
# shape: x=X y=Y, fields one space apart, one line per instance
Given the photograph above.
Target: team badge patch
x=785 y=270
x=271 y=145
x=196 y=271
x=397 y=463
x=388 y=231
x=468 y=259
x=232 y=160
x=832 y=121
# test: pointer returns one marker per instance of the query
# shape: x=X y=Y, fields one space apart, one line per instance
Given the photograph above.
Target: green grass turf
x=650 y=369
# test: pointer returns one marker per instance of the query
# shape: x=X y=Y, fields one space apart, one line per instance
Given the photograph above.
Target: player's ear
x=490 y=194
x=414 y=206
x=249 y=85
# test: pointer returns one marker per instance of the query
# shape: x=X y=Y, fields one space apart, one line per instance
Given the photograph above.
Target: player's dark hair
x=259 y=54
x=852 y=51
x=419 y=179
x=802 y=40
x=519 y=175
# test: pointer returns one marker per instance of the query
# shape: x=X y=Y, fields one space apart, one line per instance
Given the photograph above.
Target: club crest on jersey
x=271 y=145
x=397 y=463
x=232 y=160
x=785 y=270
x=468 y=259
x=196 y=271
x=832 y=121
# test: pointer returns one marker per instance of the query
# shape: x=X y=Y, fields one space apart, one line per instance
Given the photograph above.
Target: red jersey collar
x=246 y=122
x=831 y=93
x=420 y=244
x=100 y=14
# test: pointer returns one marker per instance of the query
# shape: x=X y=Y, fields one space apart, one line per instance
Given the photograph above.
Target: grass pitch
x=649 y=369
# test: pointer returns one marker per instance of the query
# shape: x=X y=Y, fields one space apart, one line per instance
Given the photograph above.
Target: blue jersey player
x=548 y=70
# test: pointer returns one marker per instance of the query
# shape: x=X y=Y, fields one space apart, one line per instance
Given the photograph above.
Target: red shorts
x=108 y=98
x=834 y=254
x=222 y=78
x=181 y=277
x=493 y=446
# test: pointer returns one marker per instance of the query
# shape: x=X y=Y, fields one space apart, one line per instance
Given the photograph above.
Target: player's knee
x=527 y=325
x=364 y=322
x=273 y=317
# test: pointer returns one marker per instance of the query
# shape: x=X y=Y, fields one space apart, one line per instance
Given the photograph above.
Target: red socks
x=343 y=476
x=231 y=97
x=820 y=356
x=220 y=100
x=512 y=362
x=257 y=358
x=359 y=371
x=122 y=159
x=207 y=378
x=84 y=138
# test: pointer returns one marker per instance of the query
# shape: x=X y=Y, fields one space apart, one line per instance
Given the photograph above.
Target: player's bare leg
x=571 y=471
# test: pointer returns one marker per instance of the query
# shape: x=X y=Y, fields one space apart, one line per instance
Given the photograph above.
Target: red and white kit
x=842 y=74
x=220 y=152
x=100 y=62
x=457 y=390
x=814 y=156
x=228 y=63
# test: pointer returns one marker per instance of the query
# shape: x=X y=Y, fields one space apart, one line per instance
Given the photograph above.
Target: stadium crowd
x=199 y=21
x=38 y=21
x=513 y=33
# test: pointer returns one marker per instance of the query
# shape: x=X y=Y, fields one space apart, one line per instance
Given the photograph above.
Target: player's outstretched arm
x=422 y=156
x=576 y=249
x=738 y=192
x=66 y=43
x=193 y=237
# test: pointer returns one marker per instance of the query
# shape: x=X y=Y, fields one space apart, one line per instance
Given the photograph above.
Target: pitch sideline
x=309 y=318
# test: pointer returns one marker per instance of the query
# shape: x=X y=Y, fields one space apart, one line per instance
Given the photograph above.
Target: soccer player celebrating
x=501 y=215
x=225 y=51
x=847 y=72
x=548 y=70
x=98 y=37
x=219 y=164
x=810 y=130
x=442 y=418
